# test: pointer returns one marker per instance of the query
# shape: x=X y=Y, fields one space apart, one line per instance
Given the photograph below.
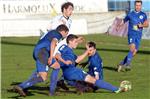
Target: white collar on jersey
x=67 y=18
x=137 y=11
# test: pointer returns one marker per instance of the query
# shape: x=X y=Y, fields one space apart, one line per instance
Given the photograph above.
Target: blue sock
x=53 y=80
x=104 y=85
x=101 y=75
x=129 y=58
x=124 y=61
x=34 y=79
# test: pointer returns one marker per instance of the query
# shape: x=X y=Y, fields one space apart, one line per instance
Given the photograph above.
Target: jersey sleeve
x=126 y=18
x=145 y=17
x=61 y=49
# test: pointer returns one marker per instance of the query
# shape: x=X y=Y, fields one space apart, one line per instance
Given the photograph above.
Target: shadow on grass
x=44 y=91
x=17 y=43
x=116 y=50
x=36 y=89
x=110 y=68
x=79 y=48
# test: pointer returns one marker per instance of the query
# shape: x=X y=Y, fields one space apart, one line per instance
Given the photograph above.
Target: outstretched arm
x=81 y=57
x=144 y=25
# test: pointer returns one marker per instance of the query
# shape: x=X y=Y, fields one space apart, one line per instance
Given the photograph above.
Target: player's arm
x=96 y=75
x=52 y=47
x=144 y=25
x=81 y=57
x=59 y=58
x=80 y=39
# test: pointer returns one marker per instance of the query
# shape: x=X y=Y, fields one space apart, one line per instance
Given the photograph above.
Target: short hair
x=92 y=44
x=66 y=5
x=71 y=37
x=62 y=27
x=137 y=1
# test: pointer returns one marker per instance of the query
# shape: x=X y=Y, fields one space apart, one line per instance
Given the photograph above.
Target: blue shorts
x=134 y=40
x=74 y=74
x=41 y=57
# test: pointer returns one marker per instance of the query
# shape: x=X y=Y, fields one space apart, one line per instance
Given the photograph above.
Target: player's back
x=46 y=40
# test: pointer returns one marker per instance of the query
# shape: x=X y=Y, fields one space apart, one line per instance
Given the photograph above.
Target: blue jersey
x=67 y=54
x=46 y=41
x=95 y=65
x=134 y=19
x=70 y=72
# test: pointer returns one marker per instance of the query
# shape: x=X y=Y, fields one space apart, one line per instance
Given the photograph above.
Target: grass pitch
x=17 y=65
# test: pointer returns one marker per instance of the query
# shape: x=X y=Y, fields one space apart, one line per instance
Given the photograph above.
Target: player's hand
x=68 y=62
x=140 y=25
x=49 y=61
x=80 y=39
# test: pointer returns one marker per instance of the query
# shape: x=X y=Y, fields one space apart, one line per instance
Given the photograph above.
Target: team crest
x=141 y=17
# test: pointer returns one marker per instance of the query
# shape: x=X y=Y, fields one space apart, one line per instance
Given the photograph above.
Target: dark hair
x=92 y=44
x=137 y=1
x=71 y=37
x=62 y=27
x=66 y=5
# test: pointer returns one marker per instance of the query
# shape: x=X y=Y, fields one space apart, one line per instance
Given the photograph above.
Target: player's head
x=91 y=46
x=72 y=41
x=63 y=30
x=138 y=5
x=67 y=9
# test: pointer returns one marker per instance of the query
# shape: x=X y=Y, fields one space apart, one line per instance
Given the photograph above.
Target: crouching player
x=43 y=56
x=71 y=72
x=95 y=64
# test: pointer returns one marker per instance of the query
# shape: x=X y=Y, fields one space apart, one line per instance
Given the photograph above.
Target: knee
x=134 y=53
x=44 y=76
x=132 y=50
x=90 y=79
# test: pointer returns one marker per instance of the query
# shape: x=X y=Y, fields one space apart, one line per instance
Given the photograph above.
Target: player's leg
x=101 y=84
x=39 y=75
x=80 y=75
x=54 y=77
x=128 y=58
x=137 y=45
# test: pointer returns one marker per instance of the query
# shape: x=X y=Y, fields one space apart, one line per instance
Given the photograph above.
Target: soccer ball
x=126 y=85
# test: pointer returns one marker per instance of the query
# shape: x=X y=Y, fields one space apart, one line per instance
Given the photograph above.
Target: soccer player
x=43 y=56
x=71 y=72
x=137 y=21
x=66 y=9
x=95 y=64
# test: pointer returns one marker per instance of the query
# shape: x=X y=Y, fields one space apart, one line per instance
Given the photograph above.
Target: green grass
x=17 y=65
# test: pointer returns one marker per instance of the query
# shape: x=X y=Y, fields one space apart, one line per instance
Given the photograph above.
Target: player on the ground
x=95 y=64
x=71 y=72
x=43 y=56
x=137 y=21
